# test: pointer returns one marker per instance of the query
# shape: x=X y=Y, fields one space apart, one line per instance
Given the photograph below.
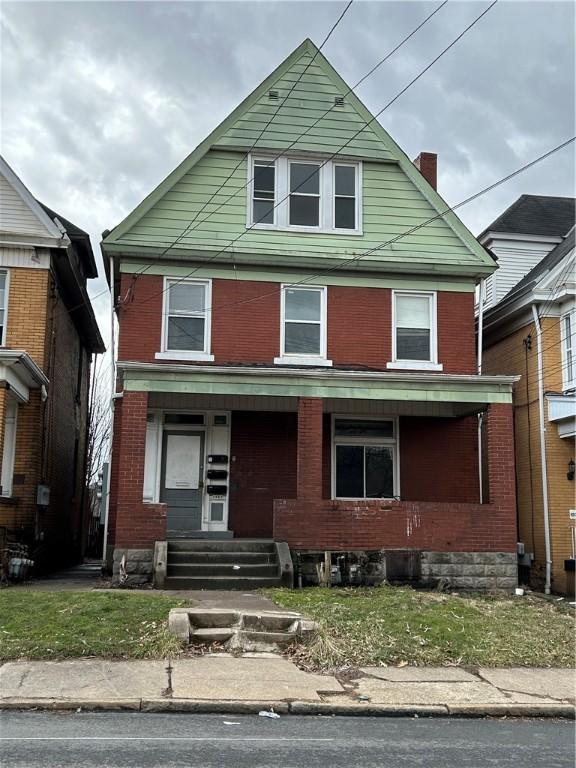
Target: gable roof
x=237 y=132
x=536 y=215
x=547 y=264
x=22 y=218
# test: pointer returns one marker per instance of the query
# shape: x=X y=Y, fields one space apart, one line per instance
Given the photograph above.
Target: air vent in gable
x=338 y=101
x=273 y=95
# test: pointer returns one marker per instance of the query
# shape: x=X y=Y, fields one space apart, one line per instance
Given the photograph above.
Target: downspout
x=479 y=368
x=543 y=463
x=112 y=398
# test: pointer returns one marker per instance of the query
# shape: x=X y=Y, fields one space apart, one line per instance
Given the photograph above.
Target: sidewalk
x=223 y=683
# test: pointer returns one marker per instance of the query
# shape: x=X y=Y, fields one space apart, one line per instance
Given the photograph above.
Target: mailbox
x=217 y=474
x=217 y=458
x=216 y=490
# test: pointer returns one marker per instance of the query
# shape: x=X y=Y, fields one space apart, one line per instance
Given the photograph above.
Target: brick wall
x=246 y=328
x=310 y=523
x=28 y=291
x=137 y=525
x=509 y=356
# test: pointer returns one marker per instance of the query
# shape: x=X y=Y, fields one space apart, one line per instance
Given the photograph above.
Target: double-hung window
x=568 y=334
x=3 y=297
x=364 y=458
x=187 y=312
x=303 y=325
x=414 y=336
x=305 y=195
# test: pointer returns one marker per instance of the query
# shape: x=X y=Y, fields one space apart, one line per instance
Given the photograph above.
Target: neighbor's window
x=414 y=327
x=569 y=351
x=186 y=322
x=364 y=458
x=2 y=306
x=303 y=322
x=306 y=195
x=263 y=193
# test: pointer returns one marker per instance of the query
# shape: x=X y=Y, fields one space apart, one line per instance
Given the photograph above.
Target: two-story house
x=297 y=366
x=48 y=334
x=529 y=330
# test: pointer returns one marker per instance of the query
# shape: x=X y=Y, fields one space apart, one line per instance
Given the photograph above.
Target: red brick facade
x=248 y=331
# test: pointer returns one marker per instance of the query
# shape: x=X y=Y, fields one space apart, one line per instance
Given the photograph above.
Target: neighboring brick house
x=286 y=376
x=48 y=335
x=529 y=311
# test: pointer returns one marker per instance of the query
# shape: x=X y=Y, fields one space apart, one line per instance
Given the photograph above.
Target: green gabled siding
x=312 y=96
x=385 y=215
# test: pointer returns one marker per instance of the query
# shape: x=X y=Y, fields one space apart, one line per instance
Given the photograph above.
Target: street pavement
x=139 y=740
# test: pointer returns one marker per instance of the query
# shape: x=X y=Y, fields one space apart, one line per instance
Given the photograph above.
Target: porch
x=346 y=464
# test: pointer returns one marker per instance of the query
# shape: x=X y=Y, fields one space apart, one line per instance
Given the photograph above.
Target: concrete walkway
x=224 y=683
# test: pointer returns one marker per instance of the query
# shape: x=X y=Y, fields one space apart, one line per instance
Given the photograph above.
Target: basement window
x=305 y=194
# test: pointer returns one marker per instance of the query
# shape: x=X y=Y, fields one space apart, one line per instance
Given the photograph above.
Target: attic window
x=338 y=101
x=273 y=95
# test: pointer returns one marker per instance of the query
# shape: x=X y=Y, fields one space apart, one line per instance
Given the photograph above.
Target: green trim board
x=196 y=380
x=152 y=224
x=274 y=276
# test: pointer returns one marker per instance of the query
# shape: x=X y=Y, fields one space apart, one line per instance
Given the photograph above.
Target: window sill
x=309 y=230
x=191 y=356
x=417 y=365
x=295 y=360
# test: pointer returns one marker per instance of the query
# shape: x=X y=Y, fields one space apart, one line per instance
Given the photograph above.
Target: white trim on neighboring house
x=286 y=358
x=6 y=272
x=393 y=443
x=568 y=349
x=9 y=447
x=417 y=365
x=204 y=355
x=326 y=223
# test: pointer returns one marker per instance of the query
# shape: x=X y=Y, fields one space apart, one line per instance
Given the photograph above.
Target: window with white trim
x=568 y=334
x=305 y=194
x=414 y=329
x=364 y=458
x=3 y=286
x=187 y=317
x=303 y=330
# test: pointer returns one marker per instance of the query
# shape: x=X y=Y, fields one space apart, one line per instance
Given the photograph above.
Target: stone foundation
x=138 y=568
x=485 y=571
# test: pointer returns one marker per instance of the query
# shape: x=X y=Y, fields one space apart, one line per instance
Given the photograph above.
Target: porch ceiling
x=329 y=384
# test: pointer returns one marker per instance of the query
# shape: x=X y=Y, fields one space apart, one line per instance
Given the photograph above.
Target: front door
x=182 y=481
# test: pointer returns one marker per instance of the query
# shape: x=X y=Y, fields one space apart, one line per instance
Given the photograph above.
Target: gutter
x=543 y=460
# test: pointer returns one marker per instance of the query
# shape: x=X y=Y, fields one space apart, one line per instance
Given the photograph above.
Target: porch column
x=309 y=462
x=501 y=470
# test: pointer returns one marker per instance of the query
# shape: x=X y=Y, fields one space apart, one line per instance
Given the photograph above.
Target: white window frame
x=3 y=337
x=293 y=359
x=384 y=442
x=183 y=354
x=357 y=188
x=9 y=448
x=568 y=347
x=417 y=365
x=282 y=194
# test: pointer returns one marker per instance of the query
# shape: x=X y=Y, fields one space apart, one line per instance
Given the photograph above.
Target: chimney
x=427 y=164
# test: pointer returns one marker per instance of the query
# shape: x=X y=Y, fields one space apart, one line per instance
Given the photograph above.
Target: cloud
x=101 y=100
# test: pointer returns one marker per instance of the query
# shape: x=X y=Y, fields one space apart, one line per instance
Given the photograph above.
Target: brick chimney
x=427 y=164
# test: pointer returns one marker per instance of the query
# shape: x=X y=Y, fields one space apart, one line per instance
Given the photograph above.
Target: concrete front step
x=231 y=570
x=220 y=558
x=221 y=545
x=220 y=582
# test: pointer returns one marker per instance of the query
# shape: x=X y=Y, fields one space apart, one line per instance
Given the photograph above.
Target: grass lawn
x=57 y=625
x=394 y=625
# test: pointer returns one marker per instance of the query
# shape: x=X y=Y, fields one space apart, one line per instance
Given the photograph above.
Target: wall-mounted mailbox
x=217 y=474
x=216 y=490
x=217 y=458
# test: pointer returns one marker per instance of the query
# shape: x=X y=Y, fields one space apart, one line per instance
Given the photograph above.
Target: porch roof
x=311 y=382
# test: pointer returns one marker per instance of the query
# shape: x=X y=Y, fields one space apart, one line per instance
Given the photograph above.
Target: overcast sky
x=101 y=100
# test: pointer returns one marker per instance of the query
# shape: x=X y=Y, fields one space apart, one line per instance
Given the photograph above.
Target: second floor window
x=303 y=322
x=305 y=195
x=186 y=326
x=414 y=339
x=568 y=332
x=3 y=282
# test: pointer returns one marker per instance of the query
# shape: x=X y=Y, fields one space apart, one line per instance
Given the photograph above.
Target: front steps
x=265 y=631
x=223 y=564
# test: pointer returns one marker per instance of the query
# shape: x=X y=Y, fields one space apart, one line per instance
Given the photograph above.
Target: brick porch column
x=309 y=451
x=501 y=470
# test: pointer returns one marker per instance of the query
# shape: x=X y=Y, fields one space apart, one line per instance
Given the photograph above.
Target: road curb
x=205 y=706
